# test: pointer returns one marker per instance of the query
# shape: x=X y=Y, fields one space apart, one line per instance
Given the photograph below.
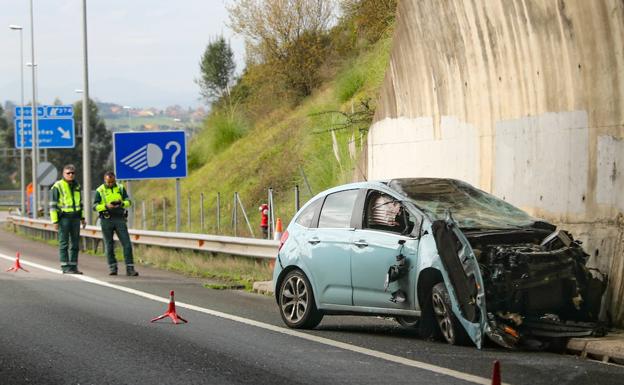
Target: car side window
x=337 y=209
x=305 y=218
x=385 y=213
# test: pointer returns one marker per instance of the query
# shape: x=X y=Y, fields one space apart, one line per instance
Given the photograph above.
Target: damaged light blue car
x=439 y=256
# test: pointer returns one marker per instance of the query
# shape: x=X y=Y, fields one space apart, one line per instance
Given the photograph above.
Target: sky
x=141 y=53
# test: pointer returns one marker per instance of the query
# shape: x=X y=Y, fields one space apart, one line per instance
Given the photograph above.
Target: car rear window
x=337 y=209
x=306 y=216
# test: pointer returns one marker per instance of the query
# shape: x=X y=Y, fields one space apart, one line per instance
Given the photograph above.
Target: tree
x=371 y=18
x=8 y=166
x=288 y=35
x=217 y=69
x=304 y=58
x=273 y=25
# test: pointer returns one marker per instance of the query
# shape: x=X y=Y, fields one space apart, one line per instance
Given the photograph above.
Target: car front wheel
x=450 y=328
x=296 y=302
x=409 y=322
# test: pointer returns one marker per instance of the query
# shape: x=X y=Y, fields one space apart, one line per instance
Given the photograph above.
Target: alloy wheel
x=294 y=299
x=443 y=316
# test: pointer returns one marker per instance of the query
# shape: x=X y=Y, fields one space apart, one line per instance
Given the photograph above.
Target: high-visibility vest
x=111 y=194
x=69 y=200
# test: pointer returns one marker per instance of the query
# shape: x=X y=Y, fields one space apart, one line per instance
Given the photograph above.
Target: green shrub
x=224 y=129
x=197 y=155
x=349 y=84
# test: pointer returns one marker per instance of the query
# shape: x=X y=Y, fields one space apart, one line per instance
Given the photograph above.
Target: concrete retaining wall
x=523 y=98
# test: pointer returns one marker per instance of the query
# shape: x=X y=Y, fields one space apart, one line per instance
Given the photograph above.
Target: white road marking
x=325 y=341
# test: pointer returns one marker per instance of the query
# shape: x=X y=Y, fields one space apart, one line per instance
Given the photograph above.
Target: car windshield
x=470 y=207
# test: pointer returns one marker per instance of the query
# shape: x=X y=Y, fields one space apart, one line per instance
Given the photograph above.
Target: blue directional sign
x=150 y=155
x=55 y=127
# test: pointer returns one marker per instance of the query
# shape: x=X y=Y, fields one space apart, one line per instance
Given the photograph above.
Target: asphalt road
x=95 y=329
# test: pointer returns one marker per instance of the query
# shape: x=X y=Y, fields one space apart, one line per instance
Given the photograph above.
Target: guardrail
x=10 y=198
x=248 y=247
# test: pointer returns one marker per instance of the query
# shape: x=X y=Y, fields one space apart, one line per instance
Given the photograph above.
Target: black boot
x=130 y=272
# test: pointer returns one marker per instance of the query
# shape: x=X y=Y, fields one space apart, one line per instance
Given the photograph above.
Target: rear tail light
x=283 y=240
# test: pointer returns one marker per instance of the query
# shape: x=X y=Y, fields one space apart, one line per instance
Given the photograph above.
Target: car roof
x=382 y=185
x=385 y=184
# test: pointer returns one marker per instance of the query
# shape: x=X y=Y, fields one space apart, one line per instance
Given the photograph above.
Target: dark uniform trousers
x=119 y=226
x=68 y=236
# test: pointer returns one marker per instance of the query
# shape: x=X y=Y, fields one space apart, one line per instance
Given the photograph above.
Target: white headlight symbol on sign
x=145 y=157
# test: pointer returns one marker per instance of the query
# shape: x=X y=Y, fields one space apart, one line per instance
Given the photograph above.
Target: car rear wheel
x=296 y=302
x=449 y=326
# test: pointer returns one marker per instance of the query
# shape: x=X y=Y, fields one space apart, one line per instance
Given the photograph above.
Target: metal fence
x=198 y=213
x=215 y=214
x=10 y=198
x=249 y=247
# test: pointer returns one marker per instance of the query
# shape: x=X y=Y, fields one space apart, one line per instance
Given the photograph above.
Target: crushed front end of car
x=514 y=277
x=537 y=288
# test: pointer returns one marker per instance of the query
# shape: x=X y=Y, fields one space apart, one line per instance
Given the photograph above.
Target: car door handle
x=314 y=241
x=360 y=243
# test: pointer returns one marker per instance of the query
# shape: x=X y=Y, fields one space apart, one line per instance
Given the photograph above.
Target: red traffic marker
x=496 y=376
x=17 y=266
x=171 y=312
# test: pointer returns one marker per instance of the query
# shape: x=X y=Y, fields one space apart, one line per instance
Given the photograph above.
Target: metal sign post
x=131 y=208
x=201 y=212
x=218 y=212
x=35 y=152
x=177 y=184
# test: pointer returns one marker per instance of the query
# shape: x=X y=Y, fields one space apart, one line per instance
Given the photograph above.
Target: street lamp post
x=35 y=126
x=22 y=157
x=86 y=155
x=79 y=91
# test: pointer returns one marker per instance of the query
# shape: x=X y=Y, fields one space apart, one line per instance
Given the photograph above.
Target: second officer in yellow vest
x=111 y=202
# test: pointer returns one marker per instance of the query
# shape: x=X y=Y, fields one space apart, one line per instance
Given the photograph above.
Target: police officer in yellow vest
x=111 y=202
x=66 y=214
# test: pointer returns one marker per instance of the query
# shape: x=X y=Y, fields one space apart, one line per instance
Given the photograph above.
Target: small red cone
x=496 y=376
x=17 y=266
x=171 y=312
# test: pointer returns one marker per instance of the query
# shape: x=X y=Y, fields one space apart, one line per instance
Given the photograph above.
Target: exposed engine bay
x=537 y=286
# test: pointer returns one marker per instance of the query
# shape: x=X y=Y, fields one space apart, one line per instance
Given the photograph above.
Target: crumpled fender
x=462 y=277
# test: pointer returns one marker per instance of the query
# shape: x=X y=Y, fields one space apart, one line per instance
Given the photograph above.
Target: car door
x=463 y=273
x=329 y=257
x=375 y=249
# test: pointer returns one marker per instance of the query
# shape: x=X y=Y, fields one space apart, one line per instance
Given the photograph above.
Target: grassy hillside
x=278 y=149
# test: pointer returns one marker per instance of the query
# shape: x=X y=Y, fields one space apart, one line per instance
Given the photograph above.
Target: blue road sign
x=55 y=127
x=28 y=112
x=150 y=155
x=44 y=112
